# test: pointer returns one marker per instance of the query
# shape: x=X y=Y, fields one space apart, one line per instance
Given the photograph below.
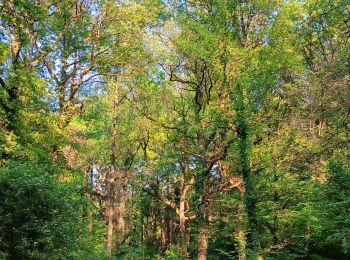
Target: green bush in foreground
x=40 y=218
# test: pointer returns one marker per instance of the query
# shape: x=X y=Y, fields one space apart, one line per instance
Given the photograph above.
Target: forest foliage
x=178 y=129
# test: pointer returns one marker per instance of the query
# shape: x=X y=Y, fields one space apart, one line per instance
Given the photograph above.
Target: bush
x=40 y=218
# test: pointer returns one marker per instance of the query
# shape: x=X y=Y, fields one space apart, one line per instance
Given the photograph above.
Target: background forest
x=174 y=129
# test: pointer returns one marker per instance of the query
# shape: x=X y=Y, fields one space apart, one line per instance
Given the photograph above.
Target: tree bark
x=203 y=242
x=113 y=173
x=203 y=231
x=163 y=228
x=183 y=233
x=121 y=207
x=186 y=184
x=110 y=220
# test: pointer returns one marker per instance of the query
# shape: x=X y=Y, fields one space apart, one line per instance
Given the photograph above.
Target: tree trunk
x=250 y=197
x=163 y=229
x=203 y=240
x=154 y=221
x=202 y=214
x=110 y=220
x=113 y=173
x=183 y=233
x=240 y=231
x=250 y=201
x=203 y=224
x=172 y=231
x=122 y=197
x=185 y=186
x=203 y=243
